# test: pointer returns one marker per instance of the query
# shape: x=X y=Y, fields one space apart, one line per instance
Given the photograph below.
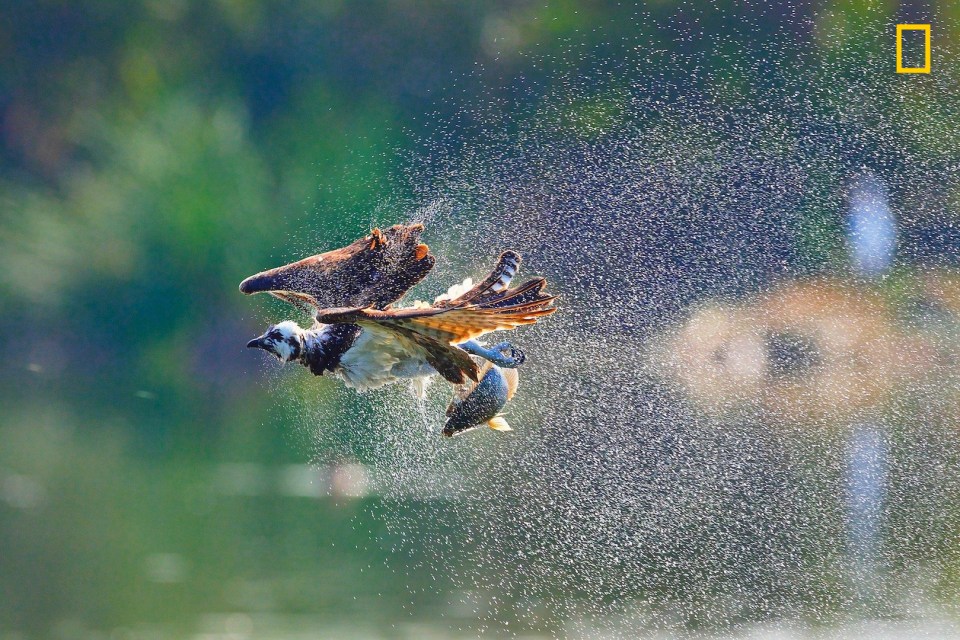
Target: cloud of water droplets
x=645 y=185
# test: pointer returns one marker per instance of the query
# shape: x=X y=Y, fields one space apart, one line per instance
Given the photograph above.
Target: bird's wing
x=374 y=271
x=454 y=364
x=456 y=325
x=496 y=282
x=434 y=330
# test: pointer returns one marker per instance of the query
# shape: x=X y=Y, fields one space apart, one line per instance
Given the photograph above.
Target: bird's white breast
x=377 y=358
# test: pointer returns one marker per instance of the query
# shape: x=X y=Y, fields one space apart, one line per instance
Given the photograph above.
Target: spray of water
x=652 y=482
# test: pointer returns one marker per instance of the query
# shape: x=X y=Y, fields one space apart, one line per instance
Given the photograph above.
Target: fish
x=479 y=403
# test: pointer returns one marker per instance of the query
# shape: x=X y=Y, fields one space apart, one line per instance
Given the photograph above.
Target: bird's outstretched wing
x=374 y=271
x=434 y=330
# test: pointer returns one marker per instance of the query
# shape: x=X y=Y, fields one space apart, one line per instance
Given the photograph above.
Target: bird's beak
x=255 y=344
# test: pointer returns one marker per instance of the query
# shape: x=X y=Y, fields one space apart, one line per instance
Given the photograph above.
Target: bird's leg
x=495 y=354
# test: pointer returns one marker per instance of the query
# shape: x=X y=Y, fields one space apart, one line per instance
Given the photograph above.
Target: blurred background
x=742 y=424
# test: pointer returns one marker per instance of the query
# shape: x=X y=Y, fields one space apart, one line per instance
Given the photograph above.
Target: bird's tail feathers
x=530 y=294
x=497 y=282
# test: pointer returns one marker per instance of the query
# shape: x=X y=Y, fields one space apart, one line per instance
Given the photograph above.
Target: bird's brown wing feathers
x=435 y=329
x=449 y=325
x=496 y=282
x=375 y=270
x=462 y=324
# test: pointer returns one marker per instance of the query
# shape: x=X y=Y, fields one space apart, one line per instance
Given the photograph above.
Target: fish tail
x=499 y=423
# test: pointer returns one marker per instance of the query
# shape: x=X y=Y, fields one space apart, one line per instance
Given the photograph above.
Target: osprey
x=356 y=333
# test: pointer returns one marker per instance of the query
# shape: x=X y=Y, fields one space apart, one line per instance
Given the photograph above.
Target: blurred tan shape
x=811 y=350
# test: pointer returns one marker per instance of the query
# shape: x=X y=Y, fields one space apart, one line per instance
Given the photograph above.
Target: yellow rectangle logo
x=926 y=56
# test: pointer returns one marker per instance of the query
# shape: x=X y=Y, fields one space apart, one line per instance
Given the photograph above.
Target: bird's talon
x=515 y=358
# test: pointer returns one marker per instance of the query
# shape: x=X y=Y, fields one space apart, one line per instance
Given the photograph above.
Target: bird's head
x=284 y=340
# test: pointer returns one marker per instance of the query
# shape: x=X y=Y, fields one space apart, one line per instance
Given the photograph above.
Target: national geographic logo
x=912 y=33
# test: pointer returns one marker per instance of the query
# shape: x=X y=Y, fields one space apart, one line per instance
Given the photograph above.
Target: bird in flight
x=358 y=334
